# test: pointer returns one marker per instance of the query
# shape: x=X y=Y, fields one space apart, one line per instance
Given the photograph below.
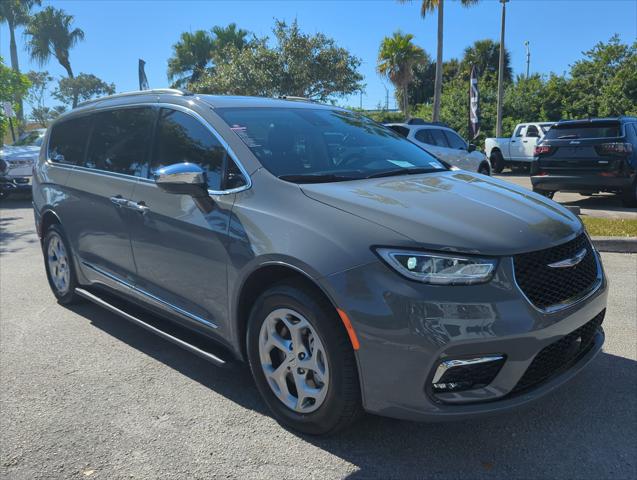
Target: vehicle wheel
x=629 y=196
x=484 y=169
x=545 y=193
x=58 y=262
x=497 y=161
x=302 y=361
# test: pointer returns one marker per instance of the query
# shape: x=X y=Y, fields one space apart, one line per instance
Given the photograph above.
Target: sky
x=118 y=32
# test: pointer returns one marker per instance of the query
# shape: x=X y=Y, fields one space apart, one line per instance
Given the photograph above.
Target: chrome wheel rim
x=293 y=360
x=58 y=261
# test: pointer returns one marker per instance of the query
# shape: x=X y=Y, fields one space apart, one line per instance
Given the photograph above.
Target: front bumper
x=407 y=328
x=15 y=184
x=581 y=183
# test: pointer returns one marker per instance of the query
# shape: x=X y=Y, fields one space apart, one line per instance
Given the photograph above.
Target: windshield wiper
x=401 y=171
x=572 y=135
x=317 y=178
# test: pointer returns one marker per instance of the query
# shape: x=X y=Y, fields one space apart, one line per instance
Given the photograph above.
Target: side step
x=117 y=309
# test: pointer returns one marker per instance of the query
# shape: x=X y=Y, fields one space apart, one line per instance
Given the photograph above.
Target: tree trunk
x=69 y=71
x=405 y=101
x=438 y=83
x=16 y=67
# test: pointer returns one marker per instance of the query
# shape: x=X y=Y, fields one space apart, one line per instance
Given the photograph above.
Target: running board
x=211 y=357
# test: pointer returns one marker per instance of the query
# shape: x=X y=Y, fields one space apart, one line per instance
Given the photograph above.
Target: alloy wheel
x=58 y=262
x=293 y=360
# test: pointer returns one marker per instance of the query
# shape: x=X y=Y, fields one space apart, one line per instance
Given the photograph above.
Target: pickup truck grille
x=547 y=286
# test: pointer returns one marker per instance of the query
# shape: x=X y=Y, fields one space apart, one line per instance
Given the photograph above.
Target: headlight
x=439 y=268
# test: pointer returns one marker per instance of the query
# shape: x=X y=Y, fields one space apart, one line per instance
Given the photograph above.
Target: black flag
x=474 y=104
x=143 y=81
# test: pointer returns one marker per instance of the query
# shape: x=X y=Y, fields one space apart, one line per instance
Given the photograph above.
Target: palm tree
x=191 y=55
x=485 y=55
x=228 y=37
x=16 y=13
x=51 y=33
x=396 y=60
x=426 y=7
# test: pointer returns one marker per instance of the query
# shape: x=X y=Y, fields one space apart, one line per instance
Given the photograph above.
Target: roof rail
x=157 y=91
x=295 y=99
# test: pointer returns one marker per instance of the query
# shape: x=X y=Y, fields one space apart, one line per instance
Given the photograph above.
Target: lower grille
x=469 y=377
x=560 y=355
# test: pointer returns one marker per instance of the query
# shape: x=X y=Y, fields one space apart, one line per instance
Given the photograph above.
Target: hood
x=455 y=211
x=10 y=153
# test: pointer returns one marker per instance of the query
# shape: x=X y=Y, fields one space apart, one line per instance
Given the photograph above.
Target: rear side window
x=119 y=142
x=439 y=137
x=68 y=141
x=585 y=130
x=424 y=136
x=532 y=131
x=182 y=138
x=454 y=140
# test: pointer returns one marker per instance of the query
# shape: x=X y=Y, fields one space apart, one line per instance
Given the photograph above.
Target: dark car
x=350 y=268
x=589 y=156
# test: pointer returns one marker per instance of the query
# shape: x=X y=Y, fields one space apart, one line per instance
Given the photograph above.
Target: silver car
x=444 y=143
x=17 y=161
x=351 y=269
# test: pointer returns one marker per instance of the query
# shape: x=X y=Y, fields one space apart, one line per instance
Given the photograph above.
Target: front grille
x=545 y=286
x=560 y=355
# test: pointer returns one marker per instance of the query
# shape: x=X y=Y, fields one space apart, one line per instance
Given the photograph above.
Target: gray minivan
x=353 y=270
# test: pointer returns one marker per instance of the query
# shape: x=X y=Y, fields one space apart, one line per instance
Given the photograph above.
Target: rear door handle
x=119 y=201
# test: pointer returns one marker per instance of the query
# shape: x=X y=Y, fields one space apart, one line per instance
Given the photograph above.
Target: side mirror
x=182 y=179
x=471 y=148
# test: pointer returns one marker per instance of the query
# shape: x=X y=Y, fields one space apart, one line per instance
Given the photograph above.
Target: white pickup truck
x=516 y=151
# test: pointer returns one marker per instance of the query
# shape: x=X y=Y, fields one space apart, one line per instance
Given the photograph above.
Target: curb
x=616 y=244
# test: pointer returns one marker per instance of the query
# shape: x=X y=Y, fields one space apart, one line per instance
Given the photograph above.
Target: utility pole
x=498 y=125
x=528 y=57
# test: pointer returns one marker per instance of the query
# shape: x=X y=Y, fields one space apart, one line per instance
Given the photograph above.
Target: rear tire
x=60 y=269
x=629 y=196
x=497 y=161
x=291 y=378
x=545 y=193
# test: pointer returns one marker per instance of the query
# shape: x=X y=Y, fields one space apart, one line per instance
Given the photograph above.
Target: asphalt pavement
x=84 y=394
x=605 y=205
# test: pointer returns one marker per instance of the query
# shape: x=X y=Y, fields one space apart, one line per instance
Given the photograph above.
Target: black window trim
x=156 y=106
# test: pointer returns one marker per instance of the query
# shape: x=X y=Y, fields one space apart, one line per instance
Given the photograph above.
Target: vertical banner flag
x=474 y=104
x=143 y=81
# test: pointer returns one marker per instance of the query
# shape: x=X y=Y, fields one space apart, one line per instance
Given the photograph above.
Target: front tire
x=497 y=161
x=484 y=169
x=58 y=262
x=302 y=360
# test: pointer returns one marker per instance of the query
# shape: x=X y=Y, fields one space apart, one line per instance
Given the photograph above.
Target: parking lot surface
x=605 y=205
x=84 y=394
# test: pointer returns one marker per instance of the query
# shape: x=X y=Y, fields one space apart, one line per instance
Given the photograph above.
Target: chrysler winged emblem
x=570 y=262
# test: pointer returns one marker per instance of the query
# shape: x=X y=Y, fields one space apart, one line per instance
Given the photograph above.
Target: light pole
x=498 y=124
x=528 y=57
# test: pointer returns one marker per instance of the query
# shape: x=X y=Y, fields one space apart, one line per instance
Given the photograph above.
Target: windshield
x=300 y=144
x=33 y=138
x=584 y=130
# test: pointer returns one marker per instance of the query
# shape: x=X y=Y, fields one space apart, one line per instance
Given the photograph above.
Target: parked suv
x=349 y=267
x=17 y=161
x=444 y=143
x=589 y=156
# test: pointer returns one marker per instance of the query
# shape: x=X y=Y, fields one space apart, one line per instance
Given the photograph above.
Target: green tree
x=297 y=64
x=12 y=86
x=37 y=93
x=51 y=33
x=426 y=7
x=485 y=55
x=191 y=55
x=16 y=13
x=396 y=60
x=83 y=87
x=421 y=89
x=225 y=38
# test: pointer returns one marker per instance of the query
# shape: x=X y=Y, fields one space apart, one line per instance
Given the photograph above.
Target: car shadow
x=13 y=239
x=583 y=430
